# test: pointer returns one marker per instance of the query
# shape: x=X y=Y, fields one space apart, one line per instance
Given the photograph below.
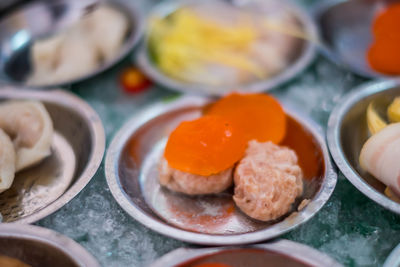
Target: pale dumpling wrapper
x=7 y=162
x=380 y=156
x=30 y=128
x=106 y=28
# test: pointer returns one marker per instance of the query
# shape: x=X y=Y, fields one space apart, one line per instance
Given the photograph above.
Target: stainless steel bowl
x=345 y=30
x=394 y=258
x=32 y=21
x=38 y=246
x=277 y=253
x=132 y=175
x=348 y=131
x=302 y=59
x=77 y=151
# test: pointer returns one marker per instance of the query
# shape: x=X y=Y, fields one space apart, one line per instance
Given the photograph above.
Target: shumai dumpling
x=30 y=128
x=7 y=161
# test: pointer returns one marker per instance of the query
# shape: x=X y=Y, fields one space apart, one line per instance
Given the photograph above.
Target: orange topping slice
x=260 y=116
x=205 y=146
x=384 y=53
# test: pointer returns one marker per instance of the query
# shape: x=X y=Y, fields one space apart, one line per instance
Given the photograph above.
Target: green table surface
x=350 y=228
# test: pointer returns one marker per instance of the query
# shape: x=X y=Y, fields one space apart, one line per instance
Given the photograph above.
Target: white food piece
x=380 y=156
x=267 y=181
x=192 y=184
x=106 y=29
x=30 y=128
x=79 y=50
x=76 y=58
x=7 y=162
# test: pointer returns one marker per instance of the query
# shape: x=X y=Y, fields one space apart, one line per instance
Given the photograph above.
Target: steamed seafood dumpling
x=7 y=162
x=106 y=28
x=44 y=55
x=30 y=128
x=267 y=181
x=76 y=58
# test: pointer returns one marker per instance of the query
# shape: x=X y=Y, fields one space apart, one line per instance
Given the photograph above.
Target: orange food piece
x=260 y=116
x=205 y=146
x=386 y=24
x=384 y=53
x=212 y=265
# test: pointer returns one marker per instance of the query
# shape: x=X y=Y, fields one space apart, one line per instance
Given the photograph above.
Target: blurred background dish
x=348 y=132
x=216 y=46
x=346 y=29
x=77 y=150
x=35 y=246
x=132 y=176
x=278 y=253
x=65 y=46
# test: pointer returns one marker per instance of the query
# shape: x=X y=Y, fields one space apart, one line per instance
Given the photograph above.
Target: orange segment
x=260 y=116
x=205 y=146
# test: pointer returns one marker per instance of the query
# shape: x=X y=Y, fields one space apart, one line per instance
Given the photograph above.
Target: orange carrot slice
x=260 y=116
x=205 y=146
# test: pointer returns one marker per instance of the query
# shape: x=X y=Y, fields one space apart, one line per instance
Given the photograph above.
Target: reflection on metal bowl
x=38 y=246
x=37 y=20
x=345 y=29
x=348 y=131
x=77 y=150
x=132 y=175
x=277 y=253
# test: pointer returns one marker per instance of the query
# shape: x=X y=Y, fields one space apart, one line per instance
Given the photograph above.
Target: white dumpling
x=106 y=28
x=76 y=58
x=44 y=59
x=30 y=128
x=7 y=162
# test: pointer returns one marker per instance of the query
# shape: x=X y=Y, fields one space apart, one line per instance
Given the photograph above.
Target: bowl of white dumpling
x=44 y=161
x=46 y=44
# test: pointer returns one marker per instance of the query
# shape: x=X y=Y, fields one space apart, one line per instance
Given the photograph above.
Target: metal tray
x=305 y=55
x=40 y=247
x=278 y=253
x=132 y=175
x=77 y=151
x=15 y=38
x=348 y=131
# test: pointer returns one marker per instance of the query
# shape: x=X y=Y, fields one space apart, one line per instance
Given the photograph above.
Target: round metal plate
x=77 y=151
x=305 y=55
x=28 y=24
x=132 y=175
x=38 y=246
x=345 y=30
x=277 y=253
x=348 y=131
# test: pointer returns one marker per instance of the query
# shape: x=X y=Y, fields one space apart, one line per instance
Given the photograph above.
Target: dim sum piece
x=106 y=28
x=30 y=128
x=192 y=184
x=267 y=181
x=76 y=58
x=380 y=156
x=7 y=162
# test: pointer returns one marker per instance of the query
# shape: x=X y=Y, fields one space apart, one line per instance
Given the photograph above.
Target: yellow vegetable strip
x=374 y=121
